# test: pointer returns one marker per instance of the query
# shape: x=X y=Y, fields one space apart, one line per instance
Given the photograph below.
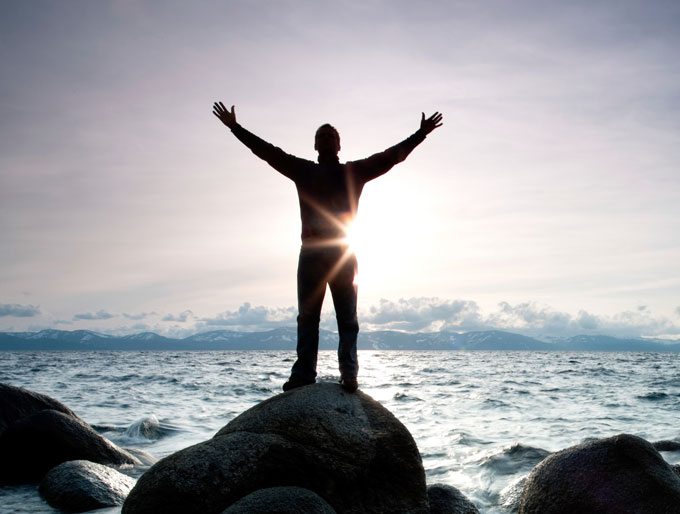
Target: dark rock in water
x=281 y=500
x=80 y=485
x=511 y=495
x=667 y=446
x=676 y=468
x=446 y=499
x=17 y=403
x=35 y=444
x=345 y=447
x=619 y=475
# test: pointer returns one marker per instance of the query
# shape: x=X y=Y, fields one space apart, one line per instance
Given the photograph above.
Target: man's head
x=327 y=140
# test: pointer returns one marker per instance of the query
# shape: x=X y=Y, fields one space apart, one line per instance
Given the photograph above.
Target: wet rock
x=281 y=500
x=511 y=495
x=17 y=403
x=446 y=499
x=79 y=486
x=667 y=446
x=32 y=446
x=345 y=447
x=619 y=475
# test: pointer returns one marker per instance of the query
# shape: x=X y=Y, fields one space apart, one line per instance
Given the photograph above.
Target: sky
x=547 y=203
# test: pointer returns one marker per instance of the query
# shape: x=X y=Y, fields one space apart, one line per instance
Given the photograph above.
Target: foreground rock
x=32 y=446
x=619 y=475
x=79 y=486
x=446 y=499
x=281 y=500
x=17 y=403
x=346 y=448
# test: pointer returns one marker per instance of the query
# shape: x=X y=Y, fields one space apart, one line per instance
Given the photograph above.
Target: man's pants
x=319 y=266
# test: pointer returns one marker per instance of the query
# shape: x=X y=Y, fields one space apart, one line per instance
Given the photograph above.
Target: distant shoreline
x=285 y=339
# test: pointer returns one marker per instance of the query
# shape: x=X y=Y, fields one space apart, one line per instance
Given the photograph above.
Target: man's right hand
x=227 y=117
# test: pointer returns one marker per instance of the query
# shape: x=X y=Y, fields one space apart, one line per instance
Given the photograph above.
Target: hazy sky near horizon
x=549 y=202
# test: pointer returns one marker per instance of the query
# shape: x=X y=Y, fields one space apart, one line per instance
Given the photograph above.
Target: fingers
x=436 y=119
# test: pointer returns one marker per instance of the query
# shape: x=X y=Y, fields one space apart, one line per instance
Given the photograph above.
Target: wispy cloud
x=19 y=311
x=182 y=317
x=99 y=315
x=138 y=316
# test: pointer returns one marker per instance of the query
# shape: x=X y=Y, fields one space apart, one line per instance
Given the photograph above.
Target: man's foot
x=294 y=383
x=349 y=384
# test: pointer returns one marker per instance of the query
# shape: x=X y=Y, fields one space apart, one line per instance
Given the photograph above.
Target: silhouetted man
x=329 y=196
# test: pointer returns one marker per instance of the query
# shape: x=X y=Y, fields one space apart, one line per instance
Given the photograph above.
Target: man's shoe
x=294 y=383
x=349 y=384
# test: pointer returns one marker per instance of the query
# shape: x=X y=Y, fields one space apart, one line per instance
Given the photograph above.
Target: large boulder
x=17 y=403
x=619 y=475
x=79 y=486
x=281 y=500
x=32 y=446
x=446 y=499
x=346 y=448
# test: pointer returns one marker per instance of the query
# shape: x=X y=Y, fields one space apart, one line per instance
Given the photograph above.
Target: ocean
x=481 y=420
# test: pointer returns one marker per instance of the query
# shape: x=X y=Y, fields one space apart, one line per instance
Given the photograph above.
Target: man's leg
x=344 y=291
x=311 y=284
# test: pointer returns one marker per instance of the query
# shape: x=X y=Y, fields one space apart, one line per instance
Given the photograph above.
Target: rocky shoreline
x=316 y=449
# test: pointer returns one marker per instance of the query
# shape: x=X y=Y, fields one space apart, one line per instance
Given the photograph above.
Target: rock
x=35 y=444
x=345 y=447
x=667 y=446
x=446 y=499
x=619 y=475
x=511 y=495
x=281 y=500
x=79 y=485
x=17 y=403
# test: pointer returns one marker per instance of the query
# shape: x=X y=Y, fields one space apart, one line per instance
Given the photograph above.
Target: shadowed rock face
x=619 y=475
x=33 y=445
x=446 y=499
x=281 y=500
x=17 y=403
x=78 y=486
x=346 y=448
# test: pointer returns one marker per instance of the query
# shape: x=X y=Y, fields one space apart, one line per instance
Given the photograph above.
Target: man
x=329 y=193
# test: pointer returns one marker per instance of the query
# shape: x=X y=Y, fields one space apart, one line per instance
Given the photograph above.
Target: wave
x=654 y=396
x=145 y=429
x=514 y=459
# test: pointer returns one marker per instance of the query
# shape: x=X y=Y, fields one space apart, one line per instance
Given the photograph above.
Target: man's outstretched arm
x=382 y=162
x=278 y=159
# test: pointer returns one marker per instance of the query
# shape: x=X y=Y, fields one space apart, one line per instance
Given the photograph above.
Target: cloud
x=99 y=315
x=181 y=317
x=529 y=316
x=250 y=317
x=424 y=314
x=18 y=311
x=139 y=316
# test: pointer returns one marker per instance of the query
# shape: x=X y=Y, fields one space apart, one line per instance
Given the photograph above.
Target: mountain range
x=284 y=339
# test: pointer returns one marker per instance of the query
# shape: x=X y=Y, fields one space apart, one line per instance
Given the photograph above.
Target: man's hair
x=328 y=126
